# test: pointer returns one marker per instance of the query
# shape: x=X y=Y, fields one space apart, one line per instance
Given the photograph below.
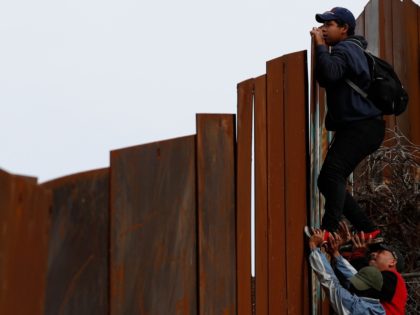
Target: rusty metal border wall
x=392 y=29
x=277 y=104
x=167 y=228
x=153 y=234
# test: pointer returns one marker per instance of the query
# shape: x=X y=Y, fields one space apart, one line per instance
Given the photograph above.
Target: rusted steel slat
x=377 y=29
x=296 y=180
x=319 y=141
x=28 y=179
x=386 y=42
x=385 y=31
x=399 y=39
x=399 y=45
x=243 y=203
x=415 y=114
x=153 y=229
x=409 y=121
x=385 y=48
x=276 y=202
x=24 y=218
x=324 y=138
x=314 y=153
x=78 y=273
x=400 y=61
x=261 y=220
x=7 y=220
x=360 y=24
x=321 y=138
x=216 y=213
x=371 y=14
x=316 y=126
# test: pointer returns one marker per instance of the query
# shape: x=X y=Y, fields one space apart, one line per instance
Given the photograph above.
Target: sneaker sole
x=307 y=231
x=377 y=240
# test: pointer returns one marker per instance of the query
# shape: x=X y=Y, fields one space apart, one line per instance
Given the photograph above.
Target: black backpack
x=385 y=90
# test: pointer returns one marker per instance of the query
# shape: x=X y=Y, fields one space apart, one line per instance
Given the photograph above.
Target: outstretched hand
x=344 y=232
x=334 y=243
x=317 y=238
x=360 y=242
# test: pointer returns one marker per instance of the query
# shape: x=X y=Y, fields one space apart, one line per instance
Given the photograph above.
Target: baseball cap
x=366 y=278
x=337 y=13
x=395 y=253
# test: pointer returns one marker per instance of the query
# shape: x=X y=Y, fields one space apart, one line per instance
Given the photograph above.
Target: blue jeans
x=351 y=144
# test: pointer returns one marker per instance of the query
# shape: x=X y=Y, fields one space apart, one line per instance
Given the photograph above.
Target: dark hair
x=340 y=23
x=370 y=293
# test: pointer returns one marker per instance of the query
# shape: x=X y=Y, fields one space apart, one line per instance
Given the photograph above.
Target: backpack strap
x=356 y=42
x=355 y=87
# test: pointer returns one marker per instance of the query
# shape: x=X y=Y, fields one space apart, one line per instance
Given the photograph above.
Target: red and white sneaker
x=374 y=236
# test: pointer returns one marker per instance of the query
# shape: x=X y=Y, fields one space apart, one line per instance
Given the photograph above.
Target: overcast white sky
x=79 y=78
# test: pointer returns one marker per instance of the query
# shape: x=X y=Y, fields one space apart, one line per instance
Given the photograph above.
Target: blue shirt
x=342 y=301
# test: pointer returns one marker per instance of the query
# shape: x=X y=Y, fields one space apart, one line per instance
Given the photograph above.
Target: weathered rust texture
x=287 y=197
x=371 y=25
x=153 y=229
x=277 y=268
x=399 y=53
x=243 y=203
x=216 y=213
x=24 y=224
x=296 y=174
x=78 y=272
x=406 y=61
x=360 y=26
x=392 y=30
x=261 y=215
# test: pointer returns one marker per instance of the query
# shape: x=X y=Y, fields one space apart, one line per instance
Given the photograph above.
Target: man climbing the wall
x=357 y=123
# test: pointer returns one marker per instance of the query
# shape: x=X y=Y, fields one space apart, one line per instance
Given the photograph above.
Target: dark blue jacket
x=346 y=60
